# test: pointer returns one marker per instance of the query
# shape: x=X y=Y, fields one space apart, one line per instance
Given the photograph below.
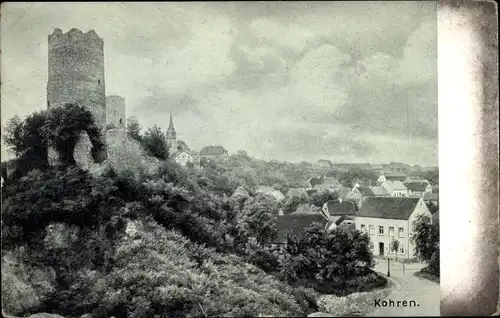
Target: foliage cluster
x=426 y=240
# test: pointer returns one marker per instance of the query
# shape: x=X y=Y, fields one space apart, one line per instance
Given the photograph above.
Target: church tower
x=171 y=137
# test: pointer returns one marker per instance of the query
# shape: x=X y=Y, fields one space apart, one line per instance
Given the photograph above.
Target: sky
x=292 y=81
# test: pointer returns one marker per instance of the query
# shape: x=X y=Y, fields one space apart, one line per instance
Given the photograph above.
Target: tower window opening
x=98 y=81
x=121 y=121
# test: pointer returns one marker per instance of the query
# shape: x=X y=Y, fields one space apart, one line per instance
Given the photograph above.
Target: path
x=423 y=292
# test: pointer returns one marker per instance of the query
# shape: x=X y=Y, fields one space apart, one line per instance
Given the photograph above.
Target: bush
x=331 y=262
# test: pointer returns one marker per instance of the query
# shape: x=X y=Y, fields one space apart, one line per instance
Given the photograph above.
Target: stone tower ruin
x=115 y=111
x=76 y=73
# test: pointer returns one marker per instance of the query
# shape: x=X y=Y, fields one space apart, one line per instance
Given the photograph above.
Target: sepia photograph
x=220 y=159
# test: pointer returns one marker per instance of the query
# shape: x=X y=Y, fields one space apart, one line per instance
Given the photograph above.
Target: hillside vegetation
x=169 y=243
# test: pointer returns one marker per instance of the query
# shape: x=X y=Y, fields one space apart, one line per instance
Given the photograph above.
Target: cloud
x=279 y=79
x=396 y=96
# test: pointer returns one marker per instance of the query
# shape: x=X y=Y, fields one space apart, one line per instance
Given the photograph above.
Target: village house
x=392 y=176
x=340 y=212
x=184 y=157
x=386 y=219
x=296 y=224
x=213 y=152
x=342 y=191
x=418 y=188
x=269 y=191
x=322 y=183
x=359 y=193
x=395 y=188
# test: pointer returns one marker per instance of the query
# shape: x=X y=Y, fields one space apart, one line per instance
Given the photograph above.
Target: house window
x=391 y=230
x=363 y=229
x=372 y=230
x=380 y=230
x=401 y=232
x=401 y=250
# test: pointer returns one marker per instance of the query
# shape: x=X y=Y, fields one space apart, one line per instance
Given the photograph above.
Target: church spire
x=171 y=124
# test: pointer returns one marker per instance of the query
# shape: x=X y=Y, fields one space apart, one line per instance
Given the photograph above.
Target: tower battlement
x=75 y=37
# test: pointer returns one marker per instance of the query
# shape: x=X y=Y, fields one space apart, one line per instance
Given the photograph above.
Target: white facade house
x=395 y=188
x=386 y=219
x=183 y=157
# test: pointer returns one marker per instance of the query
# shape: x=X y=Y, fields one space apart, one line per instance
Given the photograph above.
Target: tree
x=331 y=259
x=155 y=142
x=62 y=130
x=319 y=199
x=134 y=128
x=14 y=135
x=257 y=221
x=182 y=146
x=59 y=127
x=395 y=247
x=292 y=203
x=426 y=240
x=27 y=143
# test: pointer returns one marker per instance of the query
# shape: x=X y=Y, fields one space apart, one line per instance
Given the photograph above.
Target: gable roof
x=313 y=181
x=365 y=191
x=341 y=208
x=326 y=181
x=270 y=192
x=399 y=208
x=395 y=185
x=240 y=192
x=395 y=176
x=183 y=151
x=416 y=185
x=213 y=151
x=296 y=224
x=378 y=190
